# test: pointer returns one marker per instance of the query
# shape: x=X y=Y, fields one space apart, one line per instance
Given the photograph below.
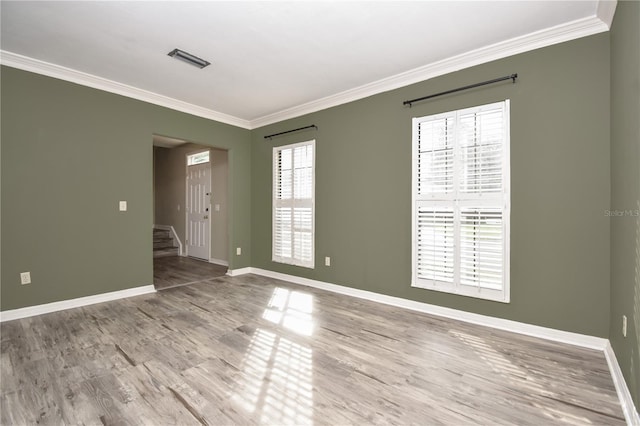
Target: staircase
x=163 y=244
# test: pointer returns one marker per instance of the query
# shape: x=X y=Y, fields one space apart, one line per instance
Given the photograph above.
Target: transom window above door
x=198 y=158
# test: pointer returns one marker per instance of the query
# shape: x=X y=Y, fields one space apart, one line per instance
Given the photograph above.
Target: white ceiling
x=274 y=60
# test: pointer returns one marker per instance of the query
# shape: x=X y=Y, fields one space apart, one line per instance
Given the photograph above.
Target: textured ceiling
x=266 y=57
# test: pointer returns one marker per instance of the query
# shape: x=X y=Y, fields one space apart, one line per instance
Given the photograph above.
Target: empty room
x=373 y=212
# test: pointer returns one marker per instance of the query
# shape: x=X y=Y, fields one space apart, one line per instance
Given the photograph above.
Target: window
x=198 y=158
x=461 y=202
x=293 y=204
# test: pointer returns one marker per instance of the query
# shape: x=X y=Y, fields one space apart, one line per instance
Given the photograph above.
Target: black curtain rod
x=313 y=126
x=471 y=86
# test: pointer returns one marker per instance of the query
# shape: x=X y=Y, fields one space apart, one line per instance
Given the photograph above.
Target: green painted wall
x=625 y=191
x=560 y=187
x=69 y=154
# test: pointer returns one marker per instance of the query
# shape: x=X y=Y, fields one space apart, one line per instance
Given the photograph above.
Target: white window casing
x=293 y=216
x=461 y=202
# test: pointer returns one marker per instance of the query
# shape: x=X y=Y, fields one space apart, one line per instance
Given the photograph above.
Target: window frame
x=457 y=201
x=193 y=154
x=293 y=260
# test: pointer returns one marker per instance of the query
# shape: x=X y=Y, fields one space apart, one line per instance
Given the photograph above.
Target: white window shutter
x=282 y=237
x=481 y=140
x=293 y=204
x=461 y=202
x=435 y=244
x=435 y=156
x=481 y=247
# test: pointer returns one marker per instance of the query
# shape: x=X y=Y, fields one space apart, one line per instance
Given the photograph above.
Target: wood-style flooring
x=172 y=271
x=253 y=350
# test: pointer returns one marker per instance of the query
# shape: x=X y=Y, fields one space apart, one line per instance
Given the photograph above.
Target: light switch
x=217 y=207
x=123 y=206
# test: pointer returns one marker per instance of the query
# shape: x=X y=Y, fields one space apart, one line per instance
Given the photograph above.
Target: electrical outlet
x=624 y=326
x=123 y=206
x=238 y=251
x=327 y=261
x=25 y=278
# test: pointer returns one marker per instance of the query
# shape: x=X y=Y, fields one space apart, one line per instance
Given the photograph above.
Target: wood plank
x=252 y=350
x=173 y=271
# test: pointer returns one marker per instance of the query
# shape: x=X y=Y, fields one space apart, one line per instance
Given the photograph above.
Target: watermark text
x=622 y=213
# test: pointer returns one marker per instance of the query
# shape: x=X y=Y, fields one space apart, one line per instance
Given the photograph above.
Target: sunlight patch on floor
x=275 y=384
x=291 y=309
x=276 y=380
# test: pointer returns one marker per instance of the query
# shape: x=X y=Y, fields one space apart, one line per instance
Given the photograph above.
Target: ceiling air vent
x=188 y=58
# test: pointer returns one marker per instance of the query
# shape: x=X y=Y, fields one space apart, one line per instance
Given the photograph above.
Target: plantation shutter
x=435 y=244
x=293 y=204
x=461 y=202
x=481 y=248
x=481 y=149
x=435 y=156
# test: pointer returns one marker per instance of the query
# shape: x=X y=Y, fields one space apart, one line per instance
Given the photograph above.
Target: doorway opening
x=190 y=218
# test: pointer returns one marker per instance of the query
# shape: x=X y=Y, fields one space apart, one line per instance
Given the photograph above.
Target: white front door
x=198 y=206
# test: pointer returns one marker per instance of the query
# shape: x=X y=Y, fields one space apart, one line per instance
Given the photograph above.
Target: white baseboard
x=218 y=262
x=241 y=271
x=628 y=408
x=576 y=339
x=626 y=401
x=31 y=311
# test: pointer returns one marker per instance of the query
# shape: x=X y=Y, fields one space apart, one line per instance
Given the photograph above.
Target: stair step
x=159 y=239
x=163 y=244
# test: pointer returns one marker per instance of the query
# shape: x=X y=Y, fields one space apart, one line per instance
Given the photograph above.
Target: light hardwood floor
x=173 y=271
x=252 y=350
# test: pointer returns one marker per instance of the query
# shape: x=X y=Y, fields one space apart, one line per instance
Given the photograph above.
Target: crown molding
x=605 y=11
x=598 y=23
x=26 y=63
x=547 y=37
